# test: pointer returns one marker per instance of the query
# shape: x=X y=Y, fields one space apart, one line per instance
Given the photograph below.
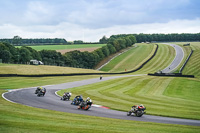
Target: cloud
x=89 y=20
x=72 y=32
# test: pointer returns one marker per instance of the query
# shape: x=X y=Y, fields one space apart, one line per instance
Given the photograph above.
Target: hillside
x=131 y=59
x=193 y=65
x=136 y=56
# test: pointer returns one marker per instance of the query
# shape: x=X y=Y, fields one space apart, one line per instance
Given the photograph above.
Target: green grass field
x=193 y=65
x=135 y=57
x=19 y=118
x=61 y=47
x=162 y=96
x=131 y=59
x=40 y=69
x=166 y=96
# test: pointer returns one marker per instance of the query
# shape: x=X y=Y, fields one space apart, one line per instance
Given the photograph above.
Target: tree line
x=18 y=41
x=183 y=37
x=23 y=55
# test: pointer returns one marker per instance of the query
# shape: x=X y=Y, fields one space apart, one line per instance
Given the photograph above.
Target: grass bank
x=160 y=61
x=193 y=65
x=131 y=59
x=20 y=118
x=161 y=95
x=40 y=69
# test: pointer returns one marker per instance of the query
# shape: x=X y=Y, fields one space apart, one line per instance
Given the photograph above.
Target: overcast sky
x=89 y=20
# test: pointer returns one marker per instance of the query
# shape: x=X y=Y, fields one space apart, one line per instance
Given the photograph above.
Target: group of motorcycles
x=136 y=110
x=78 y=100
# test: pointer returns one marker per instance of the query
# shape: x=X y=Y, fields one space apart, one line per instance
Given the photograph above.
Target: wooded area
x=23 y=55
x=162 y=37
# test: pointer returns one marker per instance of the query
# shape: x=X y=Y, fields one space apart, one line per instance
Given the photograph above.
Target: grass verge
x=20 y=118
x=40 y=69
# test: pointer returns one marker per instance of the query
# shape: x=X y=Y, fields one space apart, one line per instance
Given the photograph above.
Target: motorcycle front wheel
x=129 y=113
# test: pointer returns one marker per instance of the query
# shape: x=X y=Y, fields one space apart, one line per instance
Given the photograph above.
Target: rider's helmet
x=88 y=98
x=141 y=105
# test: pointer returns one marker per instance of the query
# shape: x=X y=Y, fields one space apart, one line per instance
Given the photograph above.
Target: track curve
x=177 y=60
x=50 y=101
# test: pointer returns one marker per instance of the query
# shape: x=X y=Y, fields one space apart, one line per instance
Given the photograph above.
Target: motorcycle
x=41 y=92
x=66 y=96
x=85 y=105
x=77 y=100
x=138 y=110
x=37 y=90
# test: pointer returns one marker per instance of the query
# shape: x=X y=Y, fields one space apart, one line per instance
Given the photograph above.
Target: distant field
x=67 y=47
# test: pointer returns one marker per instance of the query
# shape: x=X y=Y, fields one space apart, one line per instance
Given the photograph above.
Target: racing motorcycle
x=138 y=110
x=77 y=100
x=85 y=105
x=37 y=90
x=66 y=96
x=41 y=92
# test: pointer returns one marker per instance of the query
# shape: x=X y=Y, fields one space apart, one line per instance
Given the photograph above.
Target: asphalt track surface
x=51 y=101
x=177 y=60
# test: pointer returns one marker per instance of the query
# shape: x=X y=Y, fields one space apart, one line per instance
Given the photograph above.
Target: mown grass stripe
x=121 y=94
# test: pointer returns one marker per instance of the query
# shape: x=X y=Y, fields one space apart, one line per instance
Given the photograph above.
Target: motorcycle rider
x=84 y=103
x=68 y=94
x=134 y=108
x=88 y=100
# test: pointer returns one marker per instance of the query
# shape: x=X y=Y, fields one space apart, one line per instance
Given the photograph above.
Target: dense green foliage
x=162 y=37
x=8 y=53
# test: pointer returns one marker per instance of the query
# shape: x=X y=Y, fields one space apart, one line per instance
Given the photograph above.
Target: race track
x=177 y=60
x=51 y=101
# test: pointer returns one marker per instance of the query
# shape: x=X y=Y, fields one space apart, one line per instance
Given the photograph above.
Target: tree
x=16 y=40
x=100 y=54
x=133 y=39
x=116 y=45
x=34 y=53
x=78 y=42
x=103 y=40
x=24 y=55
x=5 y=55
x=105 y=51
x=111 y=48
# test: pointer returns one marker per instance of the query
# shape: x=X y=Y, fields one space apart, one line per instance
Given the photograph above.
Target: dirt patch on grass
x=80 y=49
